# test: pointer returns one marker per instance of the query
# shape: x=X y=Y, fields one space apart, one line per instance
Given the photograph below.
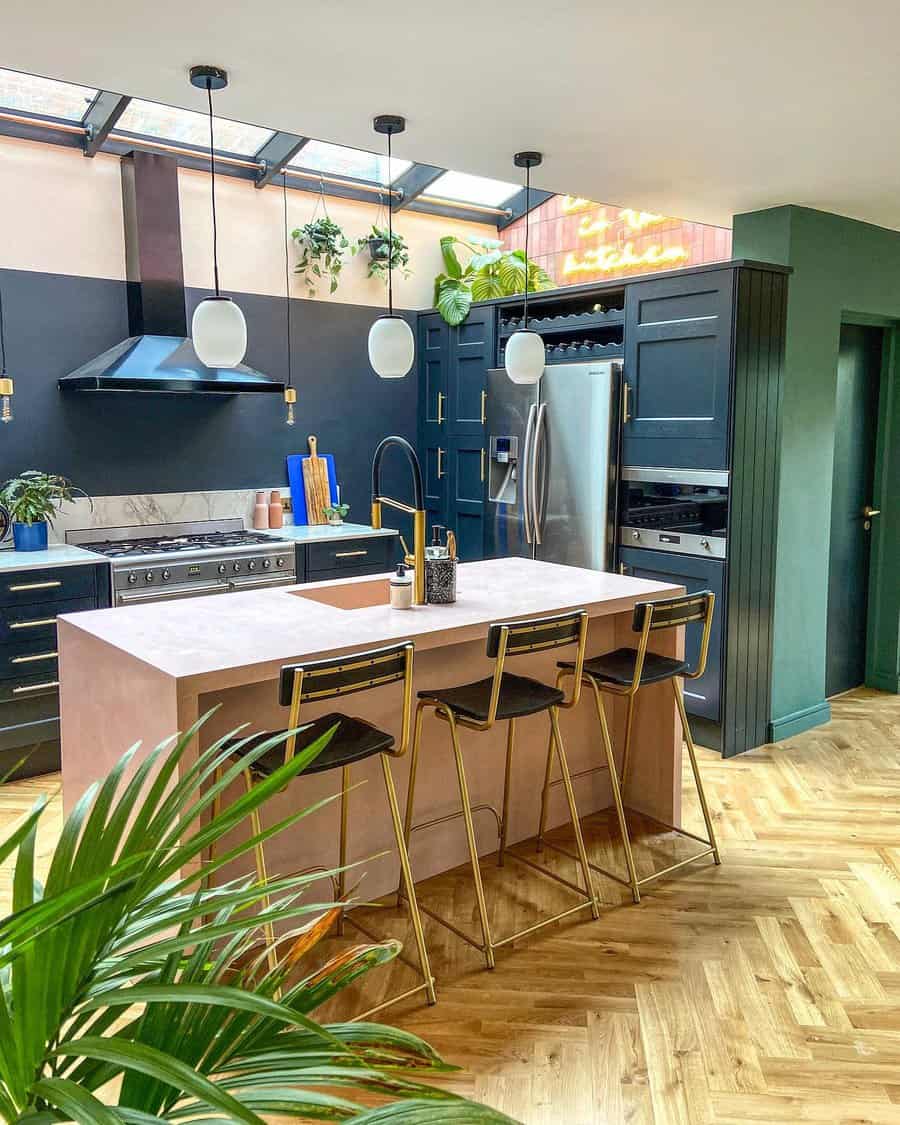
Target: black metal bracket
x=101 y=118
x=275 y=155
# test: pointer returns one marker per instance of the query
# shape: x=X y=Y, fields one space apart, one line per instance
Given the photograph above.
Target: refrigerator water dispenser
x=504 y=470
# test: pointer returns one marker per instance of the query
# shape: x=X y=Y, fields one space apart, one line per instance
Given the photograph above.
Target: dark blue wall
x=121 y=443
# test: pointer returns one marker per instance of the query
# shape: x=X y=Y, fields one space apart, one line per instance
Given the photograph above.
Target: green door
x=859 y=376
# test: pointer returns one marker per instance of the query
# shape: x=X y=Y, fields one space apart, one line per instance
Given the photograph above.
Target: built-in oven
x=684 y=511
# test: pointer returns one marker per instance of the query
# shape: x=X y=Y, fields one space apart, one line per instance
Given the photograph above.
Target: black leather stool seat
x=354 y=740
x=618 y=667
x=519 y=696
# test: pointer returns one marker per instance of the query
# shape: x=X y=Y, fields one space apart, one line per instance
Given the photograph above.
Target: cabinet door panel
x=471 y=354
x=701 y=696
x=434 y=363
x=435 y=459
x=678 y=371
x=467 y=464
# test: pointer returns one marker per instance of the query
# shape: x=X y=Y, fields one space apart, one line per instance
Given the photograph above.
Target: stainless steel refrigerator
x=553 y=460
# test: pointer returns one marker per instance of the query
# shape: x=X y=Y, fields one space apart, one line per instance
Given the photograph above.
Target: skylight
x=171 y=123
x=335 y=160
x=30 y=94
x=464 y=188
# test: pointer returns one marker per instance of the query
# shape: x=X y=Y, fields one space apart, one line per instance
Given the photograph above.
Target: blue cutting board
x=295 y=480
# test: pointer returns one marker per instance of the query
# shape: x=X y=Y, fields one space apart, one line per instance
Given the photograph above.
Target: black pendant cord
x=212 y=176
x=2 y=340
x=390 y=230
x=287 y=278
x=527 y=225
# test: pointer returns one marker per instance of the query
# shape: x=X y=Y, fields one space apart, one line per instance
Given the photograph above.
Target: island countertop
x=193 y=640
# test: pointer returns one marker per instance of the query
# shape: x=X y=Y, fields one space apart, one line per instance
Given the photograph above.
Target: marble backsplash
x=160 y=507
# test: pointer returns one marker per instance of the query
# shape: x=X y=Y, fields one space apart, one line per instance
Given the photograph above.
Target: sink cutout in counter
x=355 y=595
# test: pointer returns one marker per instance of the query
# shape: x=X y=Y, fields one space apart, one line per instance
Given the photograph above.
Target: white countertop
x=325 y=533
x=57 y=554
x=210 y=638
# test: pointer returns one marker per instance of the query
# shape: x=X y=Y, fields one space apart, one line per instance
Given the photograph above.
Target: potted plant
x=490 y=272
x=336 y=513
x=377 y=243
x=322 y=244
x=32 y=499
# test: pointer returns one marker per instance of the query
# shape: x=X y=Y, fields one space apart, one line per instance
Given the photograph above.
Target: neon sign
x=571 y=203
x=606 y=259
x=640 y=220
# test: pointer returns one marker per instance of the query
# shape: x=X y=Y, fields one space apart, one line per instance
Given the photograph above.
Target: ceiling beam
x=275 y=155
x=101 y=118
x=413 y=182
x=516 y=205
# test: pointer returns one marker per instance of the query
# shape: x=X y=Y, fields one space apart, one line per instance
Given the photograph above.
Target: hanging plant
x=322 y=244
x=377 y=243
x=490 y=272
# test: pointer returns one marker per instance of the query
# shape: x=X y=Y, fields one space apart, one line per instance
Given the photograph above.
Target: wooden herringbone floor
x=764 y=991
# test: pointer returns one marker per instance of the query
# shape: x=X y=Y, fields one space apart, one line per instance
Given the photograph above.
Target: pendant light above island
x=525 y=355
x=391 y=345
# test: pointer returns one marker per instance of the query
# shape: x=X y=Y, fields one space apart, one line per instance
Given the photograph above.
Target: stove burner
x=170 y=544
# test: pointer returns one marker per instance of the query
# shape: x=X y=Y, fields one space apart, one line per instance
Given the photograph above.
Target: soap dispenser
x=402 y=588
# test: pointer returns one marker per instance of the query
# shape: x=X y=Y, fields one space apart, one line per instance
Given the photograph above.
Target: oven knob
x=279 y=561
x=251 y=565
x=236 y=567
x=635 y=535
x=166 y=575
x=704 y=543
x=148 y=577
x=221 y=568
x=267 y=564
x=132 y=578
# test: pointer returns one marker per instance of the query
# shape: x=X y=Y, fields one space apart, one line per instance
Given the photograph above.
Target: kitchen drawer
x=25 y=687
x=27 y=622
x=25 y=709
x=21 y=737
x=348 y=572
x=24 y=659
x=31 y=587
x=349 y=556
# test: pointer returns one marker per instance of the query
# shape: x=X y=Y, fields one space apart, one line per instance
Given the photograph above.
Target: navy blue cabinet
x=701 y=696
x=472 y=347
x=678 y=349
x=467 y=465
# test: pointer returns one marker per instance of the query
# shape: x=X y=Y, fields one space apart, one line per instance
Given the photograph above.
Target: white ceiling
x=700 y=109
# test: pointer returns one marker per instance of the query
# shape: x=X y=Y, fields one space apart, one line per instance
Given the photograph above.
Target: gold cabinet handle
x=482 y=464
x=440 y=420
x=38 y=621
x=36 y=656
x=52 y=585
x=869 y=511
x=483 y=408
x=349 y=554
x=35 y=687
x=440 y=465
x=626 y=411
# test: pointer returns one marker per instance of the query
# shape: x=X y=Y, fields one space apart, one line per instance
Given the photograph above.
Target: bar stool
x=478 y=706
x=623 y=673
x=354 y=740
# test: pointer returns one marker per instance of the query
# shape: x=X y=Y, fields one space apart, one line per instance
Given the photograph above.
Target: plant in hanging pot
x=32 y=499
x=322 y=244
x=377 y=243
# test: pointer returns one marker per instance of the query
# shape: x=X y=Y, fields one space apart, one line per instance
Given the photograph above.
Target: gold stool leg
x=573 y=811
x=504 y=823
x=688 y=738
x=342 y=874
x=626 y=749
x=411 y=787
x=616 y=790
x=545 y=793
x=470 y=837
x=268 y=928
x=406 y=879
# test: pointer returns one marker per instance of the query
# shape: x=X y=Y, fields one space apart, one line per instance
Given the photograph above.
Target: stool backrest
x=344 y=675
x=670 y=613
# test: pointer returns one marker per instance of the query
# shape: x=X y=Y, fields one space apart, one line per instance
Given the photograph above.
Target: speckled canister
x=440 y=581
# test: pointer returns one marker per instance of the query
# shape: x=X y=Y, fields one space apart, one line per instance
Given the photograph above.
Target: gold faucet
x=417 y=559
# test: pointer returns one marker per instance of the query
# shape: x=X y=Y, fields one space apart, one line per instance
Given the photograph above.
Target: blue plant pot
x=30 y=536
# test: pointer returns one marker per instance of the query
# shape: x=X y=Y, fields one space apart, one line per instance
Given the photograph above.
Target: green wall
x=843 y=271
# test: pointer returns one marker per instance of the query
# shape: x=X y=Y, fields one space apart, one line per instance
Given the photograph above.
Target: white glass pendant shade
x=219 y=332
x=525 y=357
x=391 y=347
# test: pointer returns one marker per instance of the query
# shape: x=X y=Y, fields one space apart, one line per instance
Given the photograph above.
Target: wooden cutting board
x=315 y=484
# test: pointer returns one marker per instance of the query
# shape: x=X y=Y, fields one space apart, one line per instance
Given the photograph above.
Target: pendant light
x=290 y=395
x=525 y=356
x=6 y=384
x=218 y=328
x=391 y=345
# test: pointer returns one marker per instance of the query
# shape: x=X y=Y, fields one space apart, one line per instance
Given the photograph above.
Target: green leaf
x=511 y=273
x=18 y=834
x=451 y=262
x=486 y=288
x=454 y=301
x=431 y=1113
x=75 y=1102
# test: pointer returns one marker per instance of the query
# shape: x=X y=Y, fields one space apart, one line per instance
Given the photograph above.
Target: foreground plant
x=131 y=990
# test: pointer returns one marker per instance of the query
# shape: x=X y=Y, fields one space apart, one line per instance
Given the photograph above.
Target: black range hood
x=158 y=356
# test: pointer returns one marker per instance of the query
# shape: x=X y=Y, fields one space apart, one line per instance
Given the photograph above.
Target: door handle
x=525 y=473
x=483 y=407
x=51 y=585
x=35 y=687
x=349 y=554
x=626 y=412
x=440 y=406
x=869 y=511
x=482 y=465
x=538 y=482
x=31 y=659
x=34 y=624
x=440 y=464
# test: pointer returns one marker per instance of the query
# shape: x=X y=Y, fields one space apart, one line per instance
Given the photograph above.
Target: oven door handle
x=261 y=583
x=161 y=595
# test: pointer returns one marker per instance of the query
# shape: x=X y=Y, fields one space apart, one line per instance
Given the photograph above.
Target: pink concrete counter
x=143 y=672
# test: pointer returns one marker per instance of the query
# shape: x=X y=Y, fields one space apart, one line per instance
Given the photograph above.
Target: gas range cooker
x=162 y=562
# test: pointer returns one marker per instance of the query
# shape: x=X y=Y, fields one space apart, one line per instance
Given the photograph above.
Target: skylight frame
x=464 y=189
x=83 y=97
x=197 y=136
x=345 y=171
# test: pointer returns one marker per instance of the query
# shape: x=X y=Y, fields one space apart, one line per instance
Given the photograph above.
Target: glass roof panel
x=187 y=126
x=335 y=160
x=471 y=189
x=31 y=94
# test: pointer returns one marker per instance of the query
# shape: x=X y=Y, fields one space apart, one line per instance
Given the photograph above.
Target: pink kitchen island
x=145 y=672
